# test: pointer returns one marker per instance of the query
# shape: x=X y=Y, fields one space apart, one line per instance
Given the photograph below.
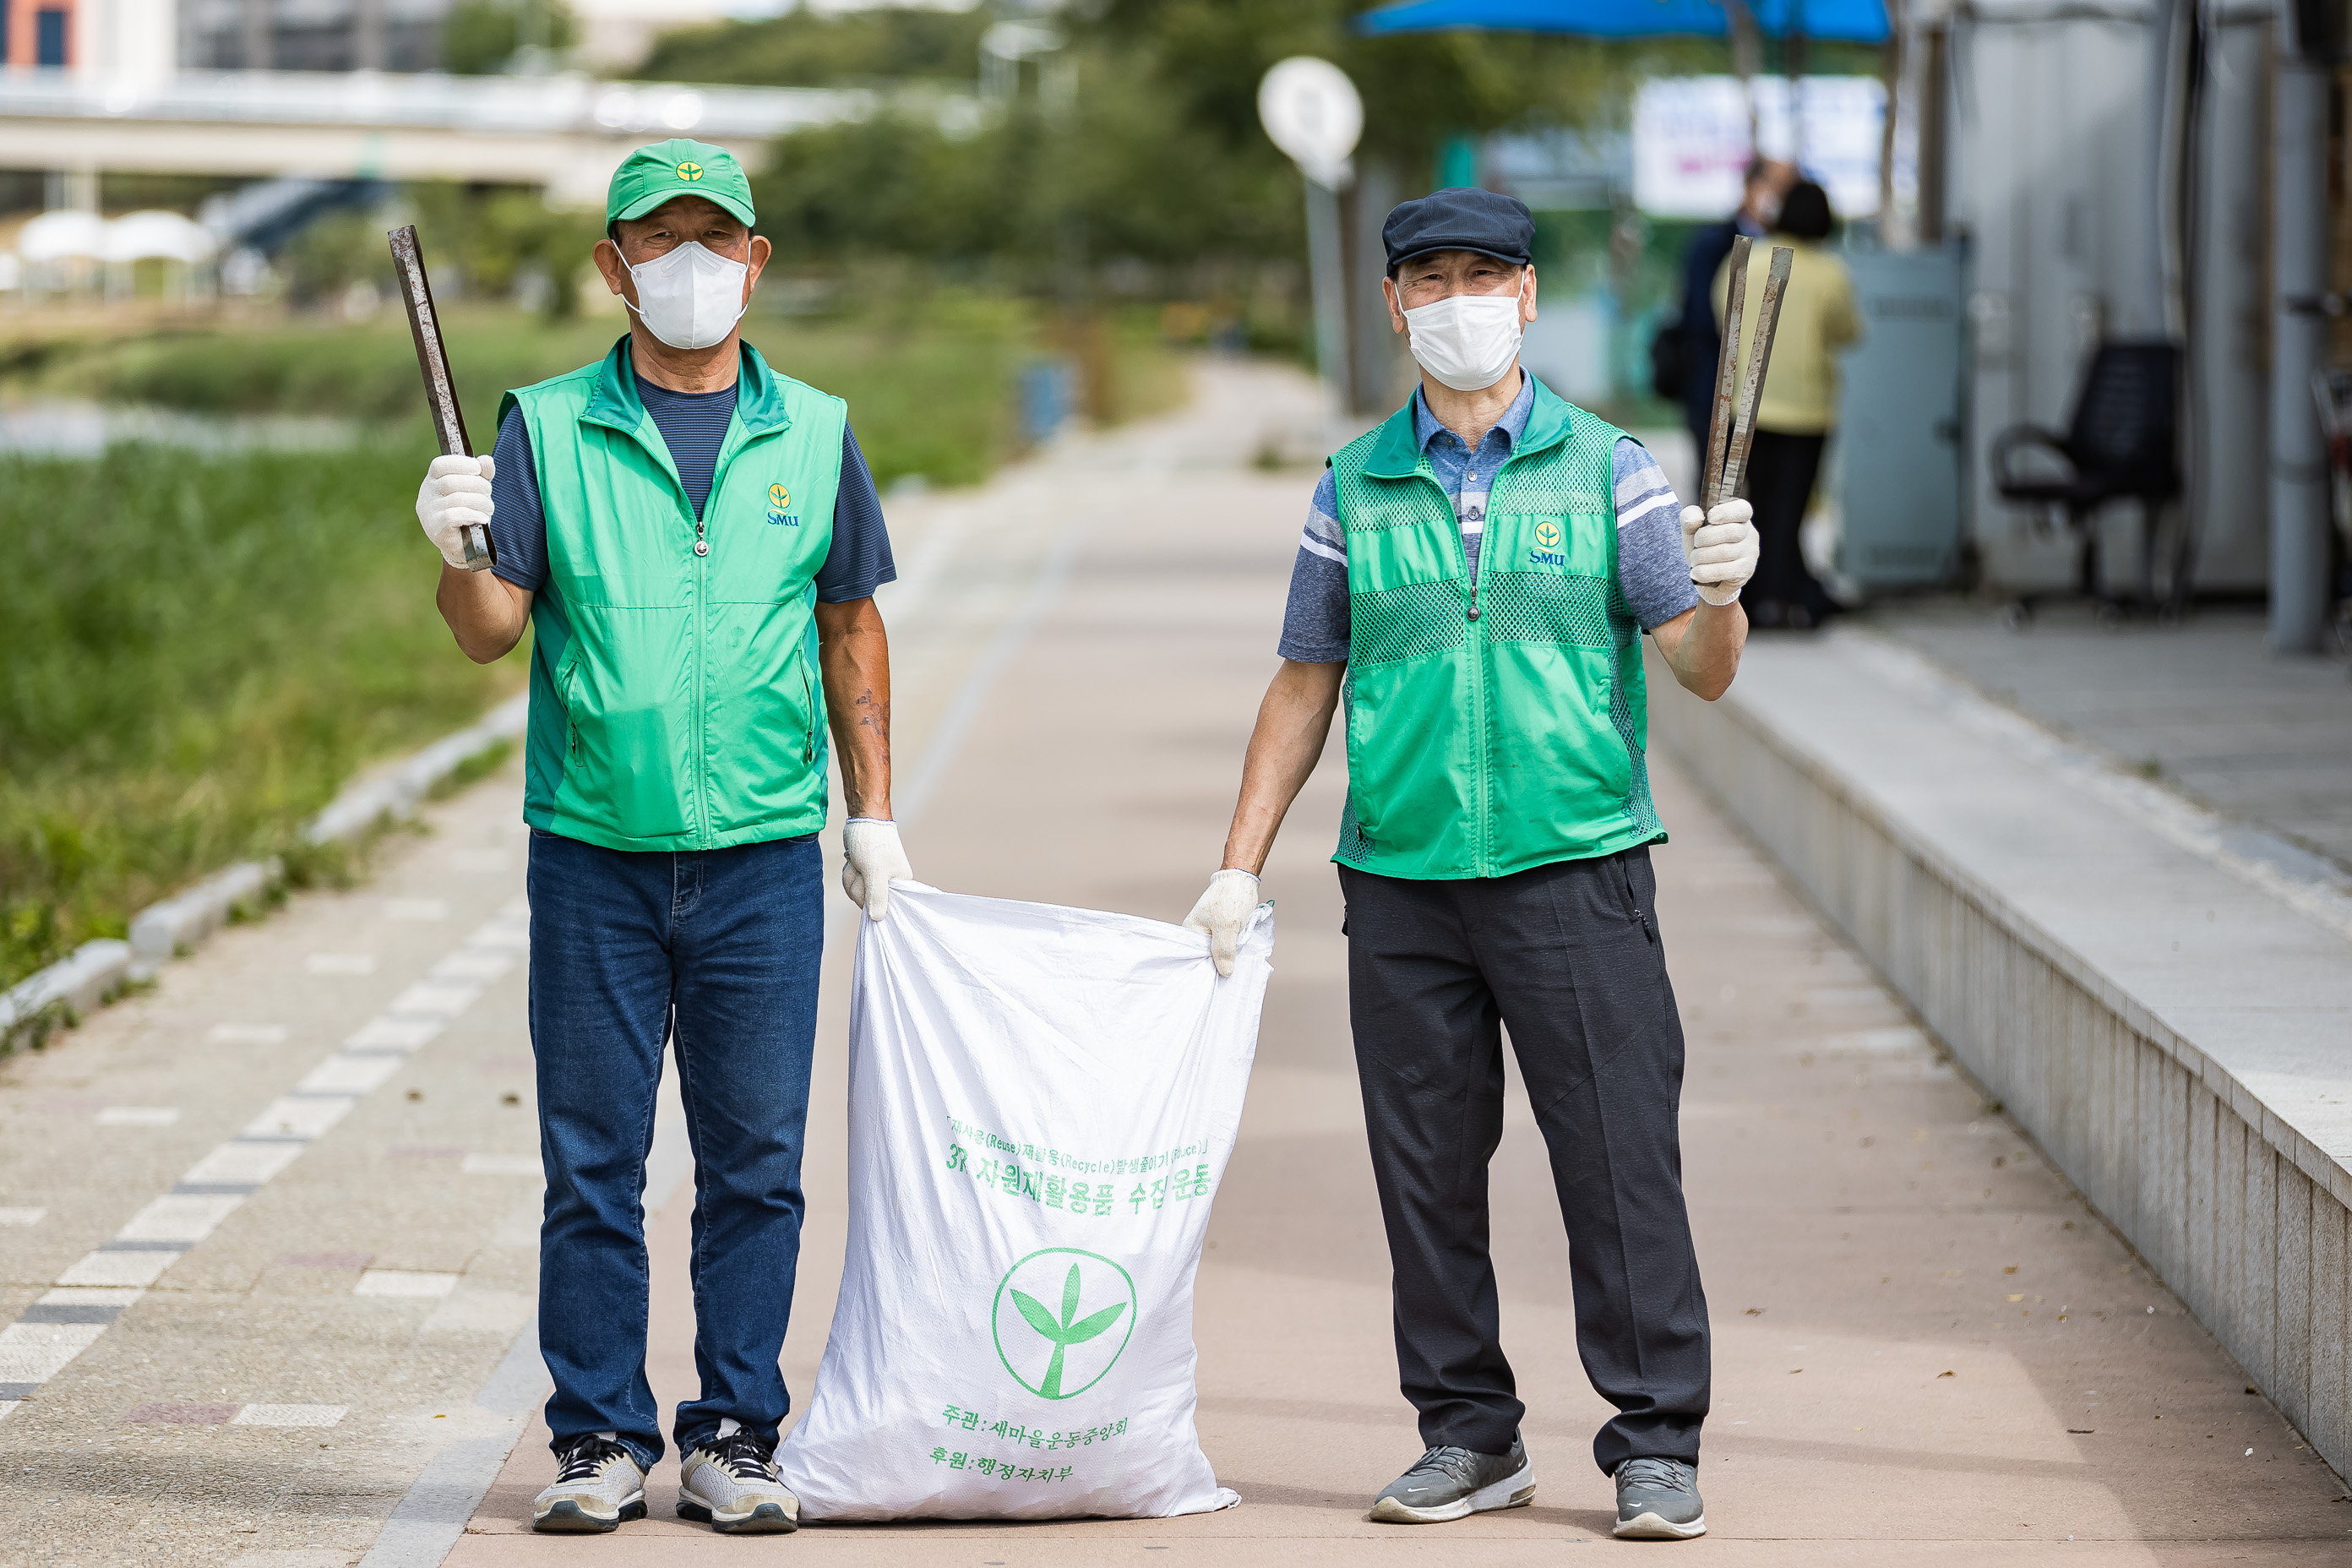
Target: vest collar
x=1548 y=421
x=1396 y=452
x=759 y=399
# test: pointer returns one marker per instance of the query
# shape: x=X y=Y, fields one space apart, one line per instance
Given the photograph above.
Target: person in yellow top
x=1799 y=407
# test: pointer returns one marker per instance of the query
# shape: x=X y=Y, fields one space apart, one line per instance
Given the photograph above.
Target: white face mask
x=690 y=297
x=1467 y=341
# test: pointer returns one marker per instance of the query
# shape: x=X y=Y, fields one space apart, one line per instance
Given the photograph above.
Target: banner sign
x=1691 y=141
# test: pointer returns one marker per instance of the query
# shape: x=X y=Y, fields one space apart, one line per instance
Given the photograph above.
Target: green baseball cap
x=678 y=167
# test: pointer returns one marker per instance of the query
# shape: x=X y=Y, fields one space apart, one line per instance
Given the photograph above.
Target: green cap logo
x=1060 y=1350
x=651 y=176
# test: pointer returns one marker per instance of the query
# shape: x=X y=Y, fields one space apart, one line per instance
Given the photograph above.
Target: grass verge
x=198 y=651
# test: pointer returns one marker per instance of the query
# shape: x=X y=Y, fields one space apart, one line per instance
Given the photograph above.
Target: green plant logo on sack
x=1062 y=1316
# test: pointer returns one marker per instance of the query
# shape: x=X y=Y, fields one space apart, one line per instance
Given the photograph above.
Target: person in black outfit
x=1701 y=335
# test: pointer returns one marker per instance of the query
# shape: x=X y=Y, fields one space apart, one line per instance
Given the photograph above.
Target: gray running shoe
x=1454 y=1483
x=730 y=1483
x=597 y=1485
x=1657 y=1499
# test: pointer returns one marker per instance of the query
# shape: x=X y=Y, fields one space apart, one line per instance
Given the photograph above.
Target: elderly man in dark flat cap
x=1475 y=580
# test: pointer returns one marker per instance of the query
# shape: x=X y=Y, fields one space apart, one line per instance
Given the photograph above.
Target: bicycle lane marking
x=93 y=1293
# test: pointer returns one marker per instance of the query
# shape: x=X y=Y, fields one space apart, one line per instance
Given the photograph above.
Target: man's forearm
x=1702 y=646
x=854 y=652
x=485 y=613
x=1293 y=723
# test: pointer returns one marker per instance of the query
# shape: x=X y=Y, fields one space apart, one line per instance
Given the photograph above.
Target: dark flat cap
x=1460 y=217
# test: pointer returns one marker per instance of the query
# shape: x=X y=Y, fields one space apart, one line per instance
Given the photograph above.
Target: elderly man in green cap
x=694 y=541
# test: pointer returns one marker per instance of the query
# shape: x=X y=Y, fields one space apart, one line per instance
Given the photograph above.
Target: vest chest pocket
x=1573 y=545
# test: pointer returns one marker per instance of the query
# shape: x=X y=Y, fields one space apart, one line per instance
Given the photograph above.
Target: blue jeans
x=719 y=949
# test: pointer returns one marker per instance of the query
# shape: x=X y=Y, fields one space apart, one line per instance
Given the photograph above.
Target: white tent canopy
x=62 y=235
x=137 y=236
x=134 y=236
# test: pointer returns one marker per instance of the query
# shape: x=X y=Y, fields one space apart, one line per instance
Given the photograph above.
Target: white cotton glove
x=1221 y=913
x=455 y=491
x=872 y=858
x=1722 y=546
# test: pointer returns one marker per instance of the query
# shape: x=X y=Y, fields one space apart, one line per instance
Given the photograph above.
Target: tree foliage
x=480 y=38
x=805 y=49
x=1160 y=156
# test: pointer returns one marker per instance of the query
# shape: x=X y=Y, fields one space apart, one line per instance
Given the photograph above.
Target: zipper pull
x=701 y=545
x=1474 y=599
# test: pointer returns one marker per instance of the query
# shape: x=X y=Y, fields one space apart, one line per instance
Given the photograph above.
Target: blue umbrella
x=1857 y=21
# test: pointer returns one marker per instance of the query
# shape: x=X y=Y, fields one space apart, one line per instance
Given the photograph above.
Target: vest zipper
x=701 y=714
x=1477 y=678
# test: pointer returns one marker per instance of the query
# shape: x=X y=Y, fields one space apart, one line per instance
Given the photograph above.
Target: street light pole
x=1330 y=284
x=1311 y=111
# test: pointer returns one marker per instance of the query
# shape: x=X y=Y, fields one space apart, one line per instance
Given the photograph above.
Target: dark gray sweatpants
x=1567 y=957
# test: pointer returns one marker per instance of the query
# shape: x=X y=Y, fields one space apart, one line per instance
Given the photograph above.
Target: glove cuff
x=1233 y=871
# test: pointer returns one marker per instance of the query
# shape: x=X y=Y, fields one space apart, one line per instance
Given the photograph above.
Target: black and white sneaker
x=1454 y=1483
x=1657 y=1499
x=730 y=1483
x=597 y=1485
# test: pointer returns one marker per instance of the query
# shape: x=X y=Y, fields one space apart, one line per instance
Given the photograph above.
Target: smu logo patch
x=778 y=497
x=1547 y=551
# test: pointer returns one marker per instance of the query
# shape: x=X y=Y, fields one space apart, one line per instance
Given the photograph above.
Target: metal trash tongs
x=440 y=387
x=1732 y=430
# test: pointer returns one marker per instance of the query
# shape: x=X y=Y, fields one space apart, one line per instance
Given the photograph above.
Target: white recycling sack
x=1041 y=1102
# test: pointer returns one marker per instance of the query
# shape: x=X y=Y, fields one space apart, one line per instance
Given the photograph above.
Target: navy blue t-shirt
x=693 y=425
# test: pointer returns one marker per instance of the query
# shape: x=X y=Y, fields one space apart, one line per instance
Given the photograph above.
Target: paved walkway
x=1081 y=648
x=2205 y=707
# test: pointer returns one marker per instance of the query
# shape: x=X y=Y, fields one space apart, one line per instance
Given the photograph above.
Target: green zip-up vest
x=675 y=702
x=1494 y=725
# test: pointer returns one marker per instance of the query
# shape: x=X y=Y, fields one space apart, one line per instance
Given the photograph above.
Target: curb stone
x=166 y=930
x=96 y=972
x=82 y=981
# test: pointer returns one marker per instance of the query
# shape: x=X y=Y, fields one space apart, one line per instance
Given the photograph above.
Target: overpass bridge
x=564 y=132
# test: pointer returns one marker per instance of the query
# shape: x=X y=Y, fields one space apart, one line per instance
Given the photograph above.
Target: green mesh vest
x=1494 y=725
x=675 y=701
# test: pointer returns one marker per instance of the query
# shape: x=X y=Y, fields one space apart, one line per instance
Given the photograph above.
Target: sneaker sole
x=768 y=1519
x=565 y=1516
x=1650 y=1527
x=1512 y=1491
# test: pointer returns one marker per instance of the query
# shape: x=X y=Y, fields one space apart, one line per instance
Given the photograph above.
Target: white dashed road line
x=93 y=1292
